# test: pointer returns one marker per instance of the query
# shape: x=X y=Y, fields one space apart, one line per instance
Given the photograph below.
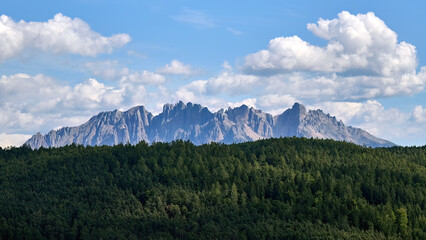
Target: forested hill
x=291 y=188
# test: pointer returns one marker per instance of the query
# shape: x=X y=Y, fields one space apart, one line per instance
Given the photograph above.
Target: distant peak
x=299 y=107
x=243 y=107
x=107 y=113
x=193 y=105
x=168 y=107
x=180 y=104
x=137 y=107
x=134 y=110
x=196 y=123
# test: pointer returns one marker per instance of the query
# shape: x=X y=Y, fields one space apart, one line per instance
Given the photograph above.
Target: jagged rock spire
x=196 y=123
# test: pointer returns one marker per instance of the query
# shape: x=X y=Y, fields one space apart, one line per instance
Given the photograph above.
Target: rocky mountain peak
x=288 y=122
x=298 y=109
x=238 y=114
x=136 y=109
x=196 y=123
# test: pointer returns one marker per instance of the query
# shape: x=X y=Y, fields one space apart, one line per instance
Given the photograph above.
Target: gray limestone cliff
x=197 y=124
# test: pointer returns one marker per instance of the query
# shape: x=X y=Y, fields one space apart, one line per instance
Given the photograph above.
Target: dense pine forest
x=291 y=188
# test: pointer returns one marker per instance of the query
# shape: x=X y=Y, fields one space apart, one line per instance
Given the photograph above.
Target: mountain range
x=196 y=123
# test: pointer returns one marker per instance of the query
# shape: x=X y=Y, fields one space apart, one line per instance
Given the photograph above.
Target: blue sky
x=63 y=61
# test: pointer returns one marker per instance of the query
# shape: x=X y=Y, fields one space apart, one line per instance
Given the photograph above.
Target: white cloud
x=355 y=43
x=323 y=87
x=276 y=104
x=227 y=66
x=58 y=35
x=196 y=92
x=362 y=60
x=352 y=111
x=136 y=54
x=176 y=68
x=250 y=102
x=92 y=94
x=29 y=104
x=392 y=124
x=196 y=18
x=232 y=83
x=227 y=82
x=144 y=77
x=419 y=114
x=109 y=70
x=20 y=97
x=191 y=92
x=37 y=102
x=7 y=140
x=135 y=94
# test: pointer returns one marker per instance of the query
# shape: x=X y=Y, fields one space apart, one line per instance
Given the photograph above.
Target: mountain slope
x=106 y=128
x=316 y=124
x=197 y=124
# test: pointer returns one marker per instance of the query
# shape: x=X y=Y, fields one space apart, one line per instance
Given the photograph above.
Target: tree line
x=294 y=188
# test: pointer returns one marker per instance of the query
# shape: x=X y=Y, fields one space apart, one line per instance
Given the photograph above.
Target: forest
x=286 y=188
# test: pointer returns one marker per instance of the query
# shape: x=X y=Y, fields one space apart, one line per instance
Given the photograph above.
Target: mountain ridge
x=196 y=123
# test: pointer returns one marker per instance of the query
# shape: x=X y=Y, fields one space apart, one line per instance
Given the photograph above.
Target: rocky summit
x=197 y=124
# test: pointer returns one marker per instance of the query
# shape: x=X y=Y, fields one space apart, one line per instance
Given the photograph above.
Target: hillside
x=293 y=188
x=197 y=124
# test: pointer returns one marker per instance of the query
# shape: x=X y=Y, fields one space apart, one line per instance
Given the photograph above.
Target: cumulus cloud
x=275 y=103
x=144 y=77
x=331 y=86
x=232 y=83
x=360 y=42
x=225 y=83
x=176 y=68
x=29 y=104
x=37 y=102
x=352 y=111
x=406 y=128
x=7 y=140
x=419 y=114
x=109 y=70
x=250 y=102
x=215 y=91
x=22 y=96
x=61 y=34
x=226 y=66
x=191 y=92
x=135 y=94
x=136 y=54
x=362 y=57
x=196 y=92
x=91 y=94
